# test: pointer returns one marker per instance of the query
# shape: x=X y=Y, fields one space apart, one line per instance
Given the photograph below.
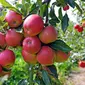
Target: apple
x=0 y=68
x=32 y=44
x=77 y=26
x=66 y=7
x=61 y=56
x=28 y=57
x=81 y=63
x=45 y=56
x=33 y=25
x=48 y=34
x=7 y=58
x=2 y=40
x=13 y=38
x=13 y=18
x=80 y=29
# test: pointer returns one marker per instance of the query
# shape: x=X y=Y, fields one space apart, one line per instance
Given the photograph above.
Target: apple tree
x=30 y=27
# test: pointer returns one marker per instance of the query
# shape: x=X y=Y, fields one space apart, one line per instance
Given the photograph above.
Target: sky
x=69 y=12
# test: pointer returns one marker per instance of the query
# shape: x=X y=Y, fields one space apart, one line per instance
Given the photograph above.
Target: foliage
x=28 y=74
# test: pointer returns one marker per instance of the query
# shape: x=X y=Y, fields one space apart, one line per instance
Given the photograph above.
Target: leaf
x=8 y=5
x=53 y=21
x=43 y=10
x=46 y=78
x=64 y=22
x=5 y=3
x=53 y=70
x=78 y=7
x=54 y=18
x=60 y=13
x=39 y=81
x=60 y=45
x=82 y=0
x=22 y=82
x=71 y=3
x=34 y=9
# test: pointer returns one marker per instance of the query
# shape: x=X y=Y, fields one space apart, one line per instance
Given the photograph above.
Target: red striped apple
x=13 y=38
x=48 y=35
x=32 y=44
x=0 y=68
x=2 y=40
x=28 y=57
x=45 y=56
x=13 y=18
x=7 y=58
x=61 y=56
x=33 y=25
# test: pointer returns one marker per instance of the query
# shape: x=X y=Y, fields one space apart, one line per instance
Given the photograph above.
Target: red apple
x=13 y=18
x=13 y=38
x=2 y=40
x=0 y=68
x=80 y=29
x=7 y=58
x=32 y=44
x=65 y=8
x=61 y=56
x=81 y=64
x=48 y=35
x=33 y=25
x=28 y=57
x=45 y=56
x=77 y=26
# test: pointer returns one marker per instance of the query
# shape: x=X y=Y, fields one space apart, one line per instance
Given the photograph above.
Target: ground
x=76 y=77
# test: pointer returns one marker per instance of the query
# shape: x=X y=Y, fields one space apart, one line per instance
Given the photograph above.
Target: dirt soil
x=76 y=77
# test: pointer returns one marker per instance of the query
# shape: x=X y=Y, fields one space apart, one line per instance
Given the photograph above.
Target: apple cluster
x=34 y=39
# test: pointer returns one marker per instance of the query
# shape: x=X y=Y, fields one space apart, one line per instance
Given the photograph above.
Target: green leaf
x=64 y=22
x=43 y=10
x=60 y=45
x=46 y=78
x=71 y=3
x=22 y=82
x=39 y=2
x=5 y=3
x=34 y=9
x=8 y=5
x=54 y=18
x=82 y=0
x=53 y=21
x=53 y=71
x=39 y=80
x=60 y=13
x=78 y=7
